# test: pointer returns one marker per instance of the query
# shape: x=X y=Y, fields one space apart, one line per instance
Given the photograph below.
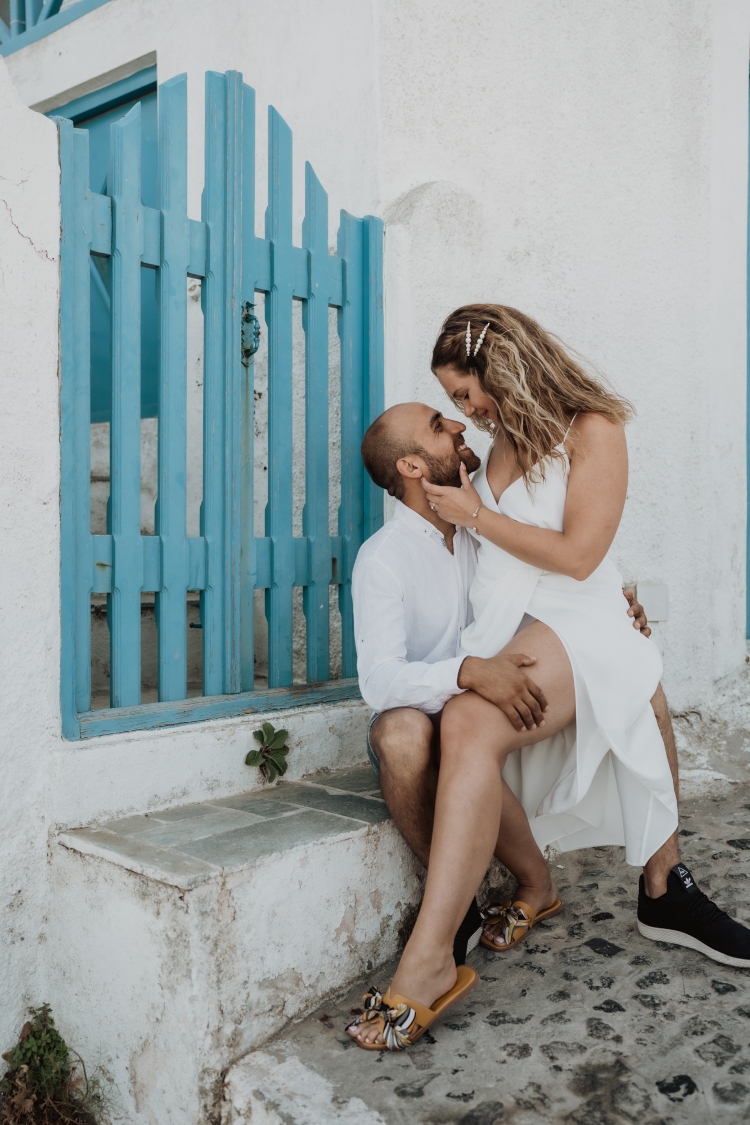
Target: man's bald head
x=390 y=437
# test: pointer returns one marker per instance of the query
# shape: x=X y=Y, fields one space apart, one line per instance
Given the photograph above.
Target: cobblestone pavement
x=585 y=1021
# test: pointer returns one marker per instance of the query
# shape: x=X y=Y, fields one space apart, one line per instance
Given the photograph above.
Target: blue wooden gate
x=226 y=562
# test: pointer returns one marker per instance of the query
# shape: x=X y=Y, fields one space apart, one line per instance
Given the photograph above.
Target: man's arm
x=387 y=679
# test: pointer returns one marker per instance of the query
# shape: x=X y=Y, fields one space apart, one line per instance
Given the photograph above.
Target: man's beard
x=446 y=471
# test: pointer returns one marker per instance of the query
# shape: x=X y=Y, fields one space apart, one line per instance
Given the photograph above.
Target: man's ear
x=409 y=467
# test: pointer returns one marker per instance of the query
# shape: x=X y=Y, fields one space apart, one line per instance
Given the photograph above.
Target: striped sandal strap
x=404 y=1021
x=512 y=917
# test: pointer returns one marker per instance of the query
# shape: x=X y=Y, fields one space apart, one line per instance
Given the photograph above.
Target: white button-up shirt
x=411 y=604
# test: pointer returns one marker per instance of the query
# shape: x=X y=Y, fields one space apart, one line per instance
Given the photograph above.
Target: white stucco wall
x=29 y=552
x=584 y=160
x=587 y=162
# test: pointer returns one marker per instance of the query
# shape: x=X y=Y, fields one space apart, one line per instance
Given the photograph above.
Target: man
x=410 y=590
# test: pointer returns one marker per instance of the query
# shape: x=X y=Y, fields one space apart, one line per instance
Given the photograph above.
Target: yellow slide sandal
x=516 y=919
x=402 y=1021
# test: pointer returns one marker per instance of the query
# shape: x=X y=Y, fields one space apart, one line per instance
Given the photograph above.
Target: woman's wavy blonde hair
x=535 y=384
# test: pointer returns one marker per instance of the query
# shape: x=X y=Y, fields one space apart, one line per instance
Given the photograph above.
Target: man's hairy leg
x=402 y=740
x=658 y=867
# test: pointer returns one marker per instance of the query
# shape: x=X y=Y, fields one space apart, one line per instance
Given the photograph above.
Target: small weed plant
x=271 y=754
x=46 y=1082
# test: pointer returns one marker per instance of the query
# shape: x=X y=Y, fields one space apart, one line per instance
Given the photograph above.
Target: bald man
x=410 y=589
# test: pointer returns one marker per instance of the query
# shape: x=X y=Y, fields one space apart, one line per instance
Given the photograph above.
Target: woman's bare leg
x=476 y=738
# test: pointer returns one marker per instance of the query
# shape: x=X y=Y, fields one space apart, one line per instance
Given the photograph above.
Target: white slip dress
x=604 y=779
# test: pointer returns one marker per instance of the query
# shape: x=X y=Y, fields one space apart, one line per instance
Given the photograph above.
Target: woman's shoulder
x=594 y=433
x=595 y=427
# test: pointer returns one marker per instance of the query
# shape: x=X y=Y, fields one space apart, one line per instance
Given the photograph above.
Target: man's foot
x=539 y=898
x=423 y=980
x=469 y=933
x=686 y=916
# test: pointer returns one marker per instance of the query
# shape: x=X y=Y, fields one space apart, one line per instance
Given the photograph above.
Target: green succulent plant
x=270 y=757
x=46 y=1081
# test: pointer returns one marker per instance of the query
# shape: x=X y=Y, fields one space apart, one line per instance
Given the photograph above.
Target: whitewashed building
x=583 y=160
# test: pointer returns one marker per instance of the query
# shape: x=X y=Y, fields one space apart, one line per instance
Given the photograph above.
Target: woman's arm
x=596 y=496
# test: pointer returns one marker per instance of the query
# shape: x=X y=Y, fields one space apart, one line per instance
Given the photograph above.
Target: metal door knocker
x=250 y=341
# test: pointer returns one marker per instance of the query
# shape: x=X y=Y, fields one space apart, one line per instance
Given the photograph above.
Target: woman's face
x=465 y=390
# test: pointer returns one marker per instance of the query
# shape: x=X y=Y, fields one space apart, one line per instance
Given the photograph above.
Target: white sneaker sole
x=676 y=937
x=473 y=941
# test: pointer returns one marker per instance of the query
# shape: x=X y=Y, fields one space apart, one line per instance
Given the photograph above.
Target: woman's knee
x=403 y=736
x=470 y=725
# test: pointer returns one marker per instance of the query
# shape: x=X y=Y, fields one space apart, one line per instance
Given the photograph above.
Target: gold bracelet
x=474 y=515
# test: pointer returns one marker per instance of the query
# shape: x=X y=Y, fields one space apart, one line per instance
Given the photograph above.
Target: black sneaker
x=686 y=916
x=469 y=933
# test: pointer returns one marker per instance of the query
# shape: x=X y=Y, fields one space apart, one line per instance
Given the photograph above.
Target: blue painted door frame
x=96 y=113
x=226 y=561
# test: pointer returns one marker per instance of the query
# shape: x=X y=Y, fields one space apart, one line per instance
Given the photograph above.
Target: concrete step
x=186 y=937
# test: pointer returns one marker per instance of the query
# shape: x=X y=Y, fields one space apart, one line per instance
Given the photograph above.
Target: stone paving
x=584 y=1022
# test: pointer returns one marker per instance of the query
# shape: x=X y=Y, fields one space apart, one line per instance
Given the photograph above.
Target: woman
x=545 y=506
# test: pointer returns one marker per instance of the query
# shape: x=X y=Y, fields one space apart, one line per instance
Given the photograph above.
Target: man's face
x=439 y=445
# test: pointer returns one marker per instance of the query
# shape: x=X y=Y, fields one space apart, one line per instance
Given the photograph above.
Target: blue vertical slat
x=351 y=511
x=315 y=514
x=76 y=556
x=222 y=295
x=124 y=186
x=248 y=563
x=374 y=345
x=170 y=516
x=32 y=10
x=214 y=352
x=279 y=320
x=17 y=22
x=233 y=372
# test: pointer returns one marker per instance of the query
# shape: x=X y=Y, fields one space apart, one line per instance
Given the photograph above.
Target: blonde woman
x=544 y=505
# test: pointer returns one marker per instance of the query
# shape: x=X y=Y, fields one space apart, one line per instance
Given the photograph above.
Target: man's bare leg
x=404 y=742
x=658 y=867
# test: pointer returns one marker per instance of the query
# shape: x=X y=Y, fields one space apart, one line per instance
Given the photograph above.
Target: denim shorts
x=370 y=752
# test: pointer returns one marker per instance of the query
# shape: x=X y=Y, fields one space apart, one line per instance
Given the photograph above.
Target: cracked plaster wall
x=29 y=559
x=166 y=987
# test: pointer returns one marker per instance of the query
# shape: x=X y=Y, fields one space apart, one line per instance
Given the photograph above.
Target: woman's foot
x=418 y=977
x=539 y=897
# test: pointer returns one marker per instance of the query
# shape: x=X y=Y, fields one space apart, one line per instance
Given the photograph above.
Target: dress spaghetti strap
x=572 y=420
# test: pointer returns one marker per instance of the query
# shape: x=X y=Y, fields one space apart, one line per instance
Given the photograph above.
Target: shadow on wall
x=434 y=242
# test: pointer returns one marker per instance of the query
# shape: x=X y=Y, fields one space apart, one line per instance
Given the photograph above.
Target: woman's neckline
x=496 y=500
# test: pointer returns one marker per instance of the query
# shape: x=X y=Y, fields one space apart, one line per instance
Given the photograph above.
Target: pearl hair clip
x=479 y=342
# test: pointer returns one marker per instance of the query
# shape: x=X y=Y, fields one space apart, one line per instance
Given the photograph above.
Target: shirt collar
x=418 y=523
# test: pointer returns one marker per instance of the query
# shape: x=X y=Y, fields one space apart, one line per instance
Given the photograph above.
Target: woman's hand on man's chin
x=454 y=505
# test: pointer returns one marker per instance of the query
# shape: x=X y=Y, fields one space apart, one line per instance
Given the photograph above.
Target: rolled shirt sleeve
x=387 y=679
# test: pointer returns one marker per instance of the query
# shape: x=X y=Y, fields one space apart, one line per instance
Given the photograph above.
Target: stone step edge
x=95 y=844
